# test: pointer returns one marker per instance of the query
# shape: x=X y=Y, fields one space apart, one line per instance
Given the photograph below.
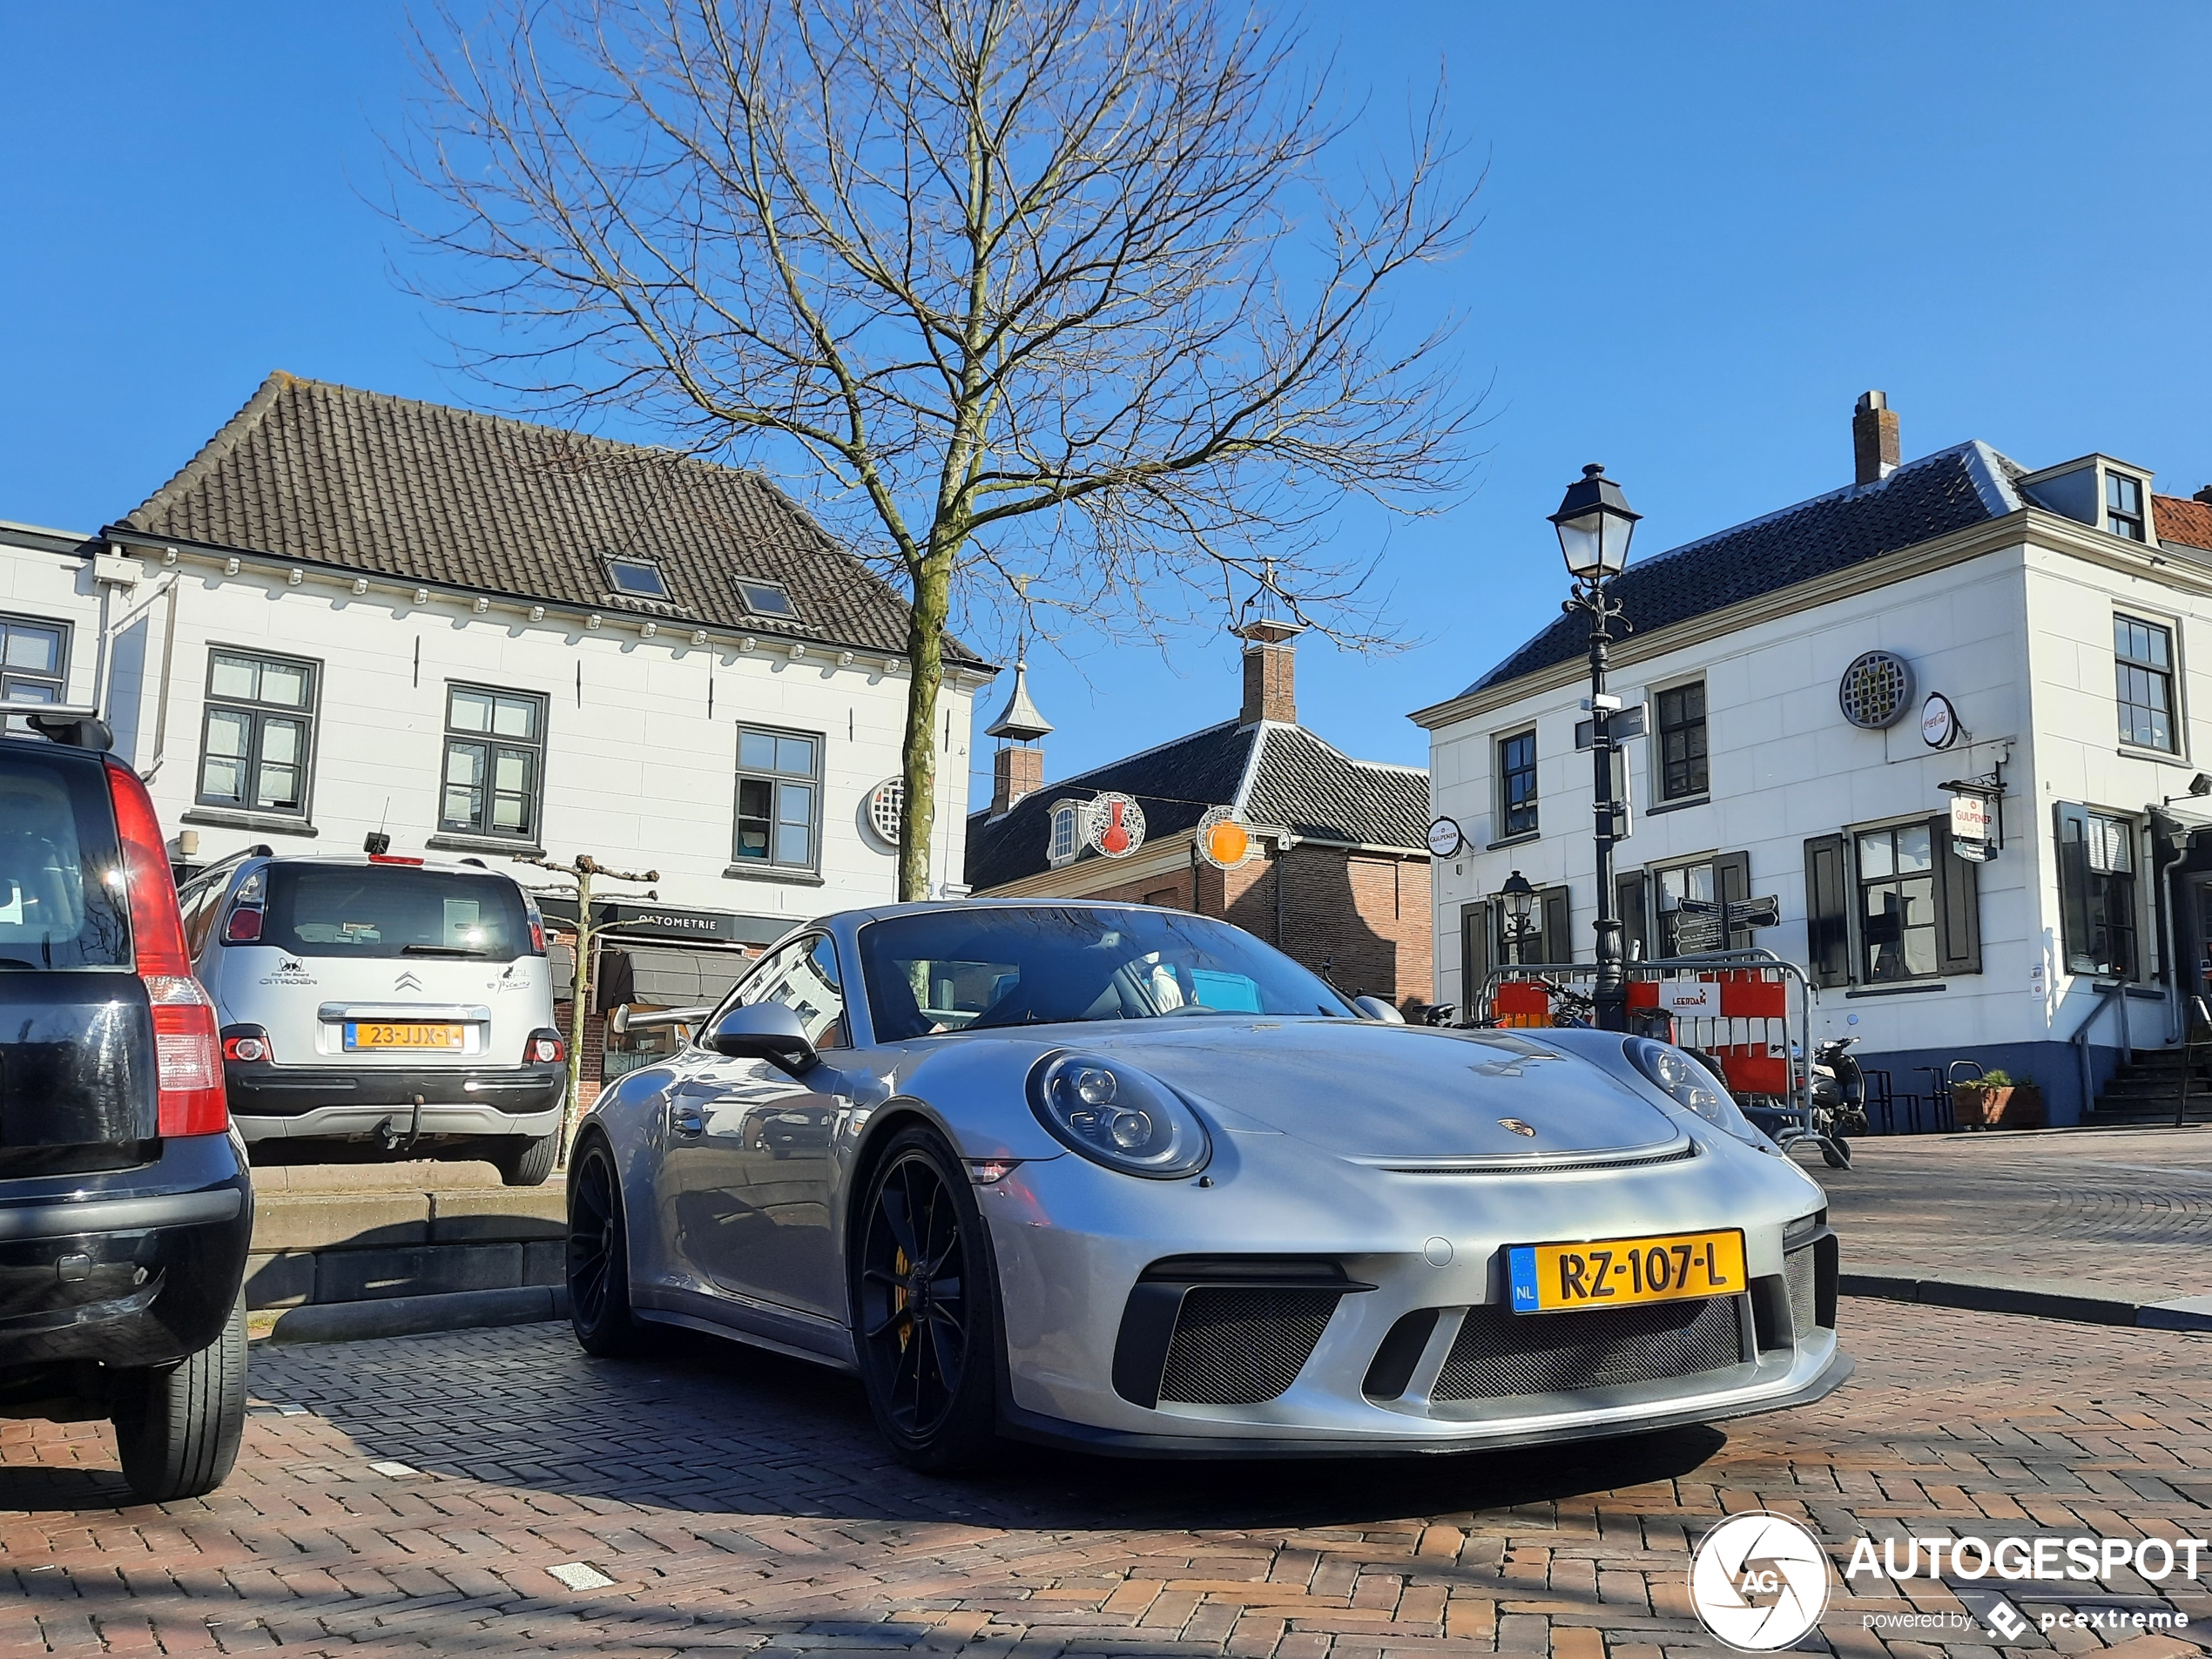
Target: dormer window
x=2124 y=506
x=765 y=598
x=1064 y=844
x=637 y=578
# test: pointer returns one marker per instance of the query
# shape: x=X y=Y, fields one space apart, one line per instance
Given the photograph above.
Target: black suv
x=125 y=1206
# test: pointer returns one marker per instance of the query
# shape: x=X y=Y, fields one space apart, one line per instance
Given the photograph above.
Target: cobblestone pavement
x=2125 y=1209
x=498 y=1492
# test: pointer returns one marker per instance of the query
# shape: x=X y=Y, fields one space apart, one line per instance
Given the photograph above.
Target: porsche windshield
x=960 y=969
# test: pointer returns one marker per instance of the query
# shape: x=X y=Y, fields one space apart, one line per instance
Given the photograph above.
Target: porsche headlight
x=1115 y=1114
x=1691 y=1087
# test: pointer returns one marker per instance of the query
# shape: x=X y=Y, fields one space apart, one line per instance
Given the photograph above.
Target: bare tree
x=1057 y=284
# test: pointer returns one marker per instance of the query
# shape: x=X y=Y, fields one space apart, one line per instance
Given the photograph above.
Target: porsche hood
x=1393 y=1092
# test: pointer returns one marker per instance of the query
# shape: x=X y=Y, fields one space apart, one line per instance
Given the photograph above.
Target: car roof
x=363 y=861
x=1042 y=902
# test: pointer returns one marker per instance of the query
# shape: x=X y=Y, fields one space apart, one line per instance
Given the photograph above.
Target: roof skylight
x=765 y=598
x=639 y=578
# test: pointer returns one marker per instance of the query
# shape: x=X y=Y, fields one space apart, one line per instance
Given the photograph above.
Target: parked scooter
x=1839 y=1087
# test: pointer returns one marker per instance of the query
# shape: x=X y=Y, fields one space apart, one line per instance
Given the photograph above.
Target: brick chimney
x=1874 y=438
x=1271 y=671
x=1015 y=773
x=1018 y=767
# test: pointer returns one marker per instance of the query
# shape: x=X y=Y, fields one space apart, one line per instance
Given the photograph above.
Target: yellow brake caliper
x=898 y=1265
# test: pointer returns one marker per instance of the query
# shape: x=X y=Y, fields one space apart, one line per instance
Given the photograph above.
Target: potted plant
x=1996 y=1100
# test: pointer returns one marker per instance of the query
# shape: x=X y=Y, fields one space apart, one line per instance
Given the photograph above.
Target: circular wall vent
x=1876 y=689
x=887 y=811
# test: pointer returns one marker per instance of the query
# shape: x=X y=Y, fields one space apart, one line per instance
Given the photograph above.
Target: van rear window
x=58 y=906
x=384 y=910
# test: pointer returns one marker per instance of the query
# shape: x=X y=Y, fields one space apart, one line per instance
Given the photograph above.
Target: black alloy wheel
x=599 y=1258
x=928 y=1328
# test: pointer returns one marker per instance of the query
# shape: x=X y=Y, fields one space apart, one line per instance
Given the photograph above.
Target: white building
x=352 y=612
x=2063 y=618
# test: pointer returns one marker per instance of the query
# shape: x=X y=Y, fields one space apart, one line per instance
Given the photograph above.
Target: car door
x=753 y=1145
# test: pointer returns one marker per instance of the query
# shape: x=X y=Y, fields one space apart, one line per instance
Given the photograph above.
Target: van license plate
x=1618 y=1272
x=378 y=1036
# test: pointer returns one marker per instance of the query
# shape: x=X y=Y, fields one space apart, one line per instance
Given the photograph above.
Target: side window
x=778 y=798
x=258 y=740
x=803 y=977
x=199 y=901
x=1681 y=756
x=34 y=665
x=1517 y=784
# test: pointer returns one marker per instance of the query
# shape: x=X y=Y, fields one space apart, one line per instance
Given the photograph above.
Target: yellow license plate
x=367 y=1036
x=1619 y=1272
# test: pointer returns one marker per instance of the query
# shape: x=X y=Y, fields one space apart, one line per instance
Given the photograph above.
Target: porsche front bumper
x=1347 y=1310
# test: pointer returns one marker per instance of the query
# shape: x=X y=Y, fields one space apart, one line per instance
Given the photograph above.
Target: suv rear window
x=391 y=910
x=62 y=902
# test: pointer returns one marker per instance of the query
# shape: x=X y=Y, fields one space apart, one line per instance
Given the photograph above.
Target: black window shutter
x=1559 y=944
x=1828 y=909
x=1958 y=903
x=1474 y=954
x=1732 y=885
x=1635 y=934
x=2073 y=887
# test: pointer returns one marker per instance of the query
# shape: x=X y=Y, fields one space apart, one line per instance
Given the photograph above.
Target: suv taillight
x=248 y=1044
x=185 y=1049
x=187 y=1053
x=244 y=926
x=544 y=1048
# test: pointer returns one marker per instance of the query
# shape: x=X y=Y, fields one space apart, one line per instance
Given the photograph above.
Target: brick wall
x=1366 y=914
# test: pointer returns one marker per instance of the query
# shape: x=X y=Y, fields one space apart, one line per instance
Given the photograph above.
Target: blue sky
x=1709 y=227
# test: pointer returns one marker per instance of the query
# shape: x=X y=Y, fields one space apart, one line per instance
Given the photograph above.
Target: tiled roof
x=390 y=487
x=2188 y=522
x=1950 y=490
x=1296 y=781
x=1313 y=789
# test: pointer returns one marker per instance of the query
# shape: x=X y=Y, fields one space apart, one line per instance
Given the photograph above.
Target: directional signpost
x=1703 y=925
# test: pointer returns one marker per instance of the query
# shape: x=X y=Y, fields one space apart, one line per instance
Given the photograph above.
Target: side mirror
x=764 y=1031
x=1373 y=1008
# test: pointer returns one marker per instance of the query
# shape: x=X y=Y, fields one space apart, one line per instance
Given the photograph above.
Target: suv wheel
x=177 y=1426
x=527 y=1164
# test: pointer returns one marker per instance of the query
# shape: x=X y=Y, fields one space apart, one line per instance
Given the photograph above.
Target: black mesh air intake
x=1797 y=1274
x=1237 y=1345
x=1500 y=1353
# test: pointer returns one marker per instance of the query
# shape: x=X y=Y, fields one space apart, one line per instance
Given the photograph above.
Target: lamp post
x=1518 y=899
x=1594 y=522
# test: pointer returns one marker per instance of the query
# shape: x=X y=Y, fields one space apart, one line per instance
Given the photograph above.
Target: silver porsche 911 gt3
x=1129 y=1180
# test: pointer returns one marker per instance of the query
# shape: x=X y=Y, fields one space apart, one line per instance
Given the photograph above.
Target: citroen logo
x=1516 y=1126
x=408 y=982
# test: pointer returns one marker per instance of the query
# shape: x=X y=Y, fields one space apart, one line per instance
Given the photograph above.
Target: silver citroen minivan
x=393 y=1004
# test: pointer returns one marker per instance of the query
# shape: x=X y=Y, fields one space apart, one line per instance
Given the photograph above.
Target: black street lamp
x=1595 y=524
x=1518 y=899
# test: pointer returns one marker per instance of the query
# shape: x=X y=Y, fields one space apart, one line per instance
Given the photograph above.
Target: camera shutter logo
x=1759 y=1581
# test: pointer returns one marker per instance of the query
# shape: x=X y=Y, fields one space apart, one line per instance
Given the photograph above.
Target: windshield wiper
x=18 y=962
x=441 y=950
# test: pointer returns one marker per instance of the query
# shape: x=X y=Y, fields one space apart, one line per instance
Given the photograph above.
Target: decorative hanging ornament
x=1223 y=842
x=1114 y=824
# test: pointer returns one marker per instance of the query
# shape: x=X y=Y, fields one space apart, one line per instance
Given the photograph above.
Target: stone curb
x=409 y=1316
x=2037 y=1298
